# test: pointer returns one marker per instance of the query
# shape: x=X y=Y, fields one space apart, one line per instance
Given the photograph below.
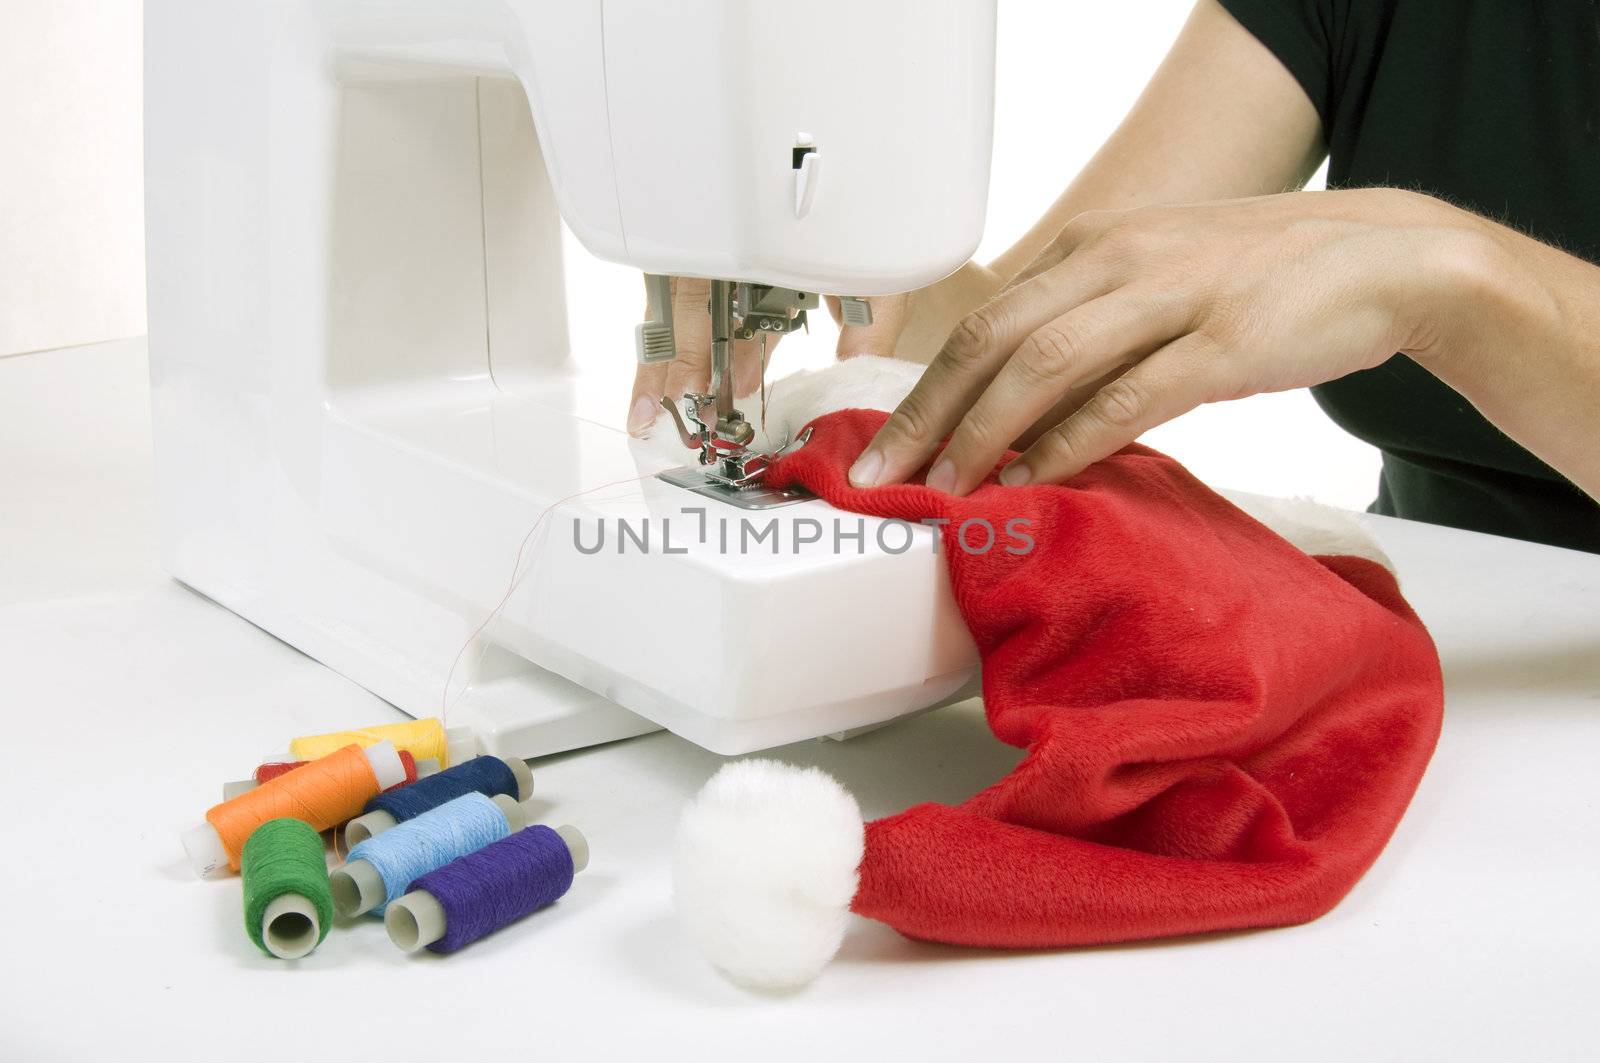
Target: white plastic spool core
x=357 y=888
x=386 y=764
x=289 y=926
x=517 y=814
x=524 y=776
x=361 y=828
x=207 y=855
x=460 y=744
x=577 y=846
x=414 y=921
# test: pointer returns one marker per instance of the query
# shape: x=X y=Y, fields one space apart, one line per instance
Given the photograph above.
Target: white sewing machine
x=363 y=393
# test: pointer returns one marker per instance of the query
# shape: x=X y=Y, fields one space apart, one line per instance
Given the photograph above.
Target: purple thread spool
x=481 y=892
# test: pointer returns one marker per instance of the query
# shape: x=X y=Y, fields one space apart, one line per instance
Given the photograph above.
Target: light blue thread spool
x=381 y=868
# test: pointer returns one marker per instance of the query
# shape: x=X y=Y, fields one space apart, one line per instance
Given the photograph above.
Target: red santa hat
x=1222 y=732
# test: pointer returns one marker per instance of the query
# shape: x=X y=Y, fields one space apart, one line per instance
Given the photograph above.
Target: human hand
x=1130 y=318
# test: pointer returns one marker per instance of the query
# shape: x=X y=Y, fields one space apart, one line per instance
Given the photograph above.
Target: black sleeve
x=1302 y=34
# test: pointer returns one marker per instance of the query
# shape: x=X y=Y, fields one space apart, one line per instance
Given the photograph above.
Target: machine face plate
x=752 y=498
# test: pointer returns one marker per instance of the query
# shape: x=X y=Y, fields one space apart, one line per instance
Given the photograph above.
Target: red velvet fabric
x=1222 y=732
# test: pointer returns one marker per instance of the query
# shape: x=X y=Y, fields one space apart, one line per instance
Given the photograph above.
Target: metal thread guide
x=729 y=469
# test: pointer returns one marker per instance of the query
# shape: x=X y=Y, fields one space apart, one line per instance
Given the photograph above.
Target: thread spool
x=381 y=868
x=265 y=772
x=272 y=769
x=427 y=739
x=288 y=905
x=480 y=893
x=484 y=775
x=324 y=794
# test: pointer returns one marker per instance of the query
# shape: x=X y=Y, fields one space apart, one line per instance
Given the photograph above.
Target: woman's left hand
x=1131 y=318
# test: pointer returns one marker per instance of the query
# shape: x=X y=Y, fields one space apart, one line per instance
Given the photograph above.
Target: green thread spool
x=288 y=905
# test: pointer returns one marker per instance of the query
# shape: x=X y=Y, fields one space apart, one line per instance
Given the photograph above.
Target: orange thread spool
x=274 y=769
x=324 y=793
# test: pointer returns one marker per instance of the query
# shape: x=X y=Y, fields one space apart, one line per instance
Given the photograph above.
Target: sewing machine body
x=363 y=393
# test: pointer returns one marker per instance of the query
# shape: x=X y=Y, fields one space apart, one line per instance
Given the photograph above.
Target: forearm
x=1221 y=119
x=1515 y=328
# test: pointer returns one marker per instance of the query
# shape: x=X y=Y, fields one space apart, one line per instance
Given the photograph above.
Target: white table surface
x=129 y=699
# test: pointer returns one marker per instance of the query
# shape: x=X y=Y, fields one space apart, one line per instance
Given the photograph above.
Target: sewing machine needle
x=764 y=385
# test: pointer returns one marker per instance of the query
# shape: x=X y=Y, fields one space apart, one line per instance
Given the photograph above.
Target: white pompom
x=764 y=870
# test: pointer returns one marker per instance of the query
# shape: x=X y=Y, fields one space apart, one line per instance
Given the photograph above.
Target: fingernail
x=1016 y=474
x=867 y=469
x=642 y=416
x=943 y=476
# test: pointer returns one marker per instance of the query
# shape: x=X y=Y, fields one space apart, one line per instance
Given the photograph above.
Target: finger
x=835 y=309
x=1172 y=381
x=649 y=385
x=1069 y=404
x=967 y=362
x=888 y=321
x=690 y=368
x=1066 y=353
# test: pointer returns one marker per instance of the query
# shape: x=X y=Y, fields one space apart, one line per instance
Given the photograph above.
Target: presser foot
x=728 y=471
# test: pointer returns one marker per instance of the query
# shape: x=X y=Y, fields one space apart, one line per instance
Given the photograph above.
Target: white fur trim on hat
x=1317 y=529
x=764 y=869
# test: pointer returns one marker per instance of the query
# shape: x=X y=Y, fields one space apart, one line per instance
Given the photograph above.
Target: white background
x=71 y=197
x=71 y=268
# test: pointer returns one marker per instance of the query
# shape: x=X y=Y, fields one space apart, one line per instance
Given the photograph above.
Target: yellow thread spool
x=425 y=739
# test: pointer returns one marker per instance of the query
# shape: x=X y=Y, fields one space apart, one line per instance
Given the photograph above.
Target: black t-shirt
x=1493 y=105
